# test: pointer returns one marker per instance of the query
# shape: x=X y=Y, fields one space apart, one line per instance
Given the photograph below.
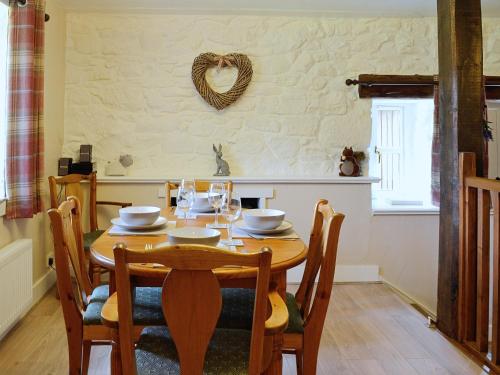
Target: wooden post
x=460 y=76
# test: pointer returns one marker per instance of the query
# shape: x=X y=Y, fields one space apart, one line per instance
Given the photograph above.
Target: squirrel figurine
x=349 y=165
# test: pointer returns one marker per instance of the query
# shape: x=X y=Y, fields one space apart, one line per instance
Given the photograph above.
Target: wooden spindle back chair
x=74 y=297
x=313 y=304
x=192 y=302
x=200 y=186
x=71 y=185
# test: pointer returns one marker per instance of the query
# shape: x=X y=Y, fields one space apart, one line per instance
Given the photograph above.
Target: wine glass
x=185 y=200
x=231 y=209
x=189 y=185
x=216 y=195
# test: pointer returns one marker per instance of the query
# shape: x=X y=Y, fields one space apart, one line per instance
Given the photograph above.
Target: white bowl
x=193 y=235
x=139 y=215
x=263 y=218
x=201 y=203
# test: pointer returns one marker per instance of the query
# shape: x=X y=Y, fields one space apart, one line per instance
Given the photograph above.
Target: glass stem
x=217 y=217
x=230 y=232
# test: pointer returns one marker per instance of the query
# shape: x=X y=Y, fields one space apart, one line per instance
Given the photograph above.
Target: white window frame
x=412 y=183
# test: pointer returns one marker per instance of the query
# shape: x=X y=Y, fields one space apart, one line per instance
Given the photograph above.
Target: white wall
x=38 y=228
x=129 y=88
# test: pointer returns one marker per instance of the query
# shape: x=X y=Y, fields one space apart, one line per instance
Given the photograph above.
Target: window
x=3 y=96
x=401 y=152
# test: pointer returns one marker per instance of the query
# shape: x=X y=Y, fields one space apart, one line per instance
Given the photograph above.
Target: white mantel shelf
x=244 y=180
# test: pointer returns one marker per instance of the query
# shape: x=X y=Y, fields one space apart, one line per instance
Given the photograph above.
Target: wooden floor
x=369 y=331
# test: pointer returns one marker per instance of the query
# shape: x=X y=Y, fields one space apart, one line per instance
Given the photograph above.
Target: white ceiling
x=298 y=7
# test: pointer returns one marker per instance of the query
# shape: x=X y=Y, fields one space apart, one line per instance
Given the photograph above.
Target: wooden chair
x=81 y=303
x=307 y=314
x=192 y=301
x=70 y=185
x=200 y=186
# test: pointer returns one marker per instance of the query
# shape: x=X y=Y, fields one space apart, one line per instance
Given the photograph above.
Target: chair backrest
x=70 y=185
x=191 y=300
x=70 y=258
x=321 y=259
x=200 y=186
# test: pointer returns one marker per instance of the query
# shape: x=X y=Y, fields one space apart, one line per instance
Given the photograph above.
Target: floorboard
x=369 y=330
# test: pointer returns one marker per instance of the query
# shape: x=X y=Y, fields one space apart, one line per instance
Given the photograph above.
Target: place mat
x=234 y=242
x=120 y=231
x=192 y=215
x=287 y=235
x=220 y=245
x=218 y=226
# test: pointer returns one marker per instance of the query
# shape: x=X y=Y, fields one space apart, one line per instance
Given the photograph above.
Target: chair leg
x=75 y=341
x=310 y=357
x=116 y=360
x=95 y=274
x=299 y=361
x=87 y=346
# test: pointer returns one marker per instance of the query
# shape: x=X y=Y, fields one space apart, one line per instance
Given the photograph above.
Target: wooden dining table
x=286 y=253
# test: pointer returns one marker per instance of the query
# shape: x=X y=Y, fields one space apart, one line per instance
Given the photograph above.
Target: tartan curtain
x=436 y=143
x=25 y=141
x=436 y=146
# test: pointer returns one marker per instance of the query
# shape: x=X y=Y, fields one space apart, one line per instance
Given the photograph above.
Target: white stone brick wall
x=129 y=88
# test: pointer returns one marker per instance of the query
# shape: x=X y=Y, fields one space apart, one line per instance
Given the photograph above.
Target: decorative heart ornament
x=207 y=60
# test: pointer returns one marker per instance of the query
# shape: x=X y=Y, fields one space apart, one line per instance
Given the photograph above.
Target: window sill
x=379 y=210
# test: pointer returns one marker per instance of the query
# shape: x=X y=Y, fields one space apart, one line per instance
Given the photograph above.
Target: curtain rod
x=370 y=80
x=22 y=3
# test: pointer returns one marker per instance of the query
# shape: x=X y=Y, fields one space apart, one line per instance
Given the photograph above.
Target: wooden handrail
x=482 y=183
x=477 y=195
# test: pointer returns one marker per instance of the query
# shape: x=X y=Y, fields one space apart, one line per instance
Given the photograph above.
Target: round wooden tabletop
x=286 y=253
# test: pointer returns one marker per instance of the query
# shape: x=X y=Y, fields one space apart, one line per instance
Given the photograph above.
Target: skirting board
x=357 y=274
x=43 y=285
x=343 y=274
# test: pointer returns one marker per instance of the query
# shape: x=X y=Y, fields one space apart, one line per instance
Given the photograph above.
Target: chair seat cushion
x=147 y=306
x=227 y=353
x=90 y=237
x=237 y=310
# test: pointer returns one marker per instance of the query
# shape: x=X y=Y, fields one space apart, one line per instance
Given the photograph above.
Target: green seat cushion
x=147 y=306
x=237 y=310
x=100 y=294
x=295 y=321
x=227 y=353
x=90 y=237
x=236 y=313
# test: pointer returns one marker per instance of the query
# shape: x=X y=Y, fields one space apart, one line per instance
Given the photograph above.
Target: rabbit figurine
x=222 y=165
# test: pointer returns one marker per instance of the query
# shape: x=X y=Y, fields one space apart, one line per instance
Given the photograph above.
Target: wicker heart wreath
x=214 y=98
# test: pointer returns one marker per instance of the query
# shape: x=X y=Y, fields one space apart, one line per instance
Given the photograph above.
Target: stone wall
x=129 y=88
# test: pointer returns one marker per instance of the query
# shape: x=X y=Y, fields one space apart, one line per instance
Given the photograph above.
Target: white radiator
x=16 y=286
